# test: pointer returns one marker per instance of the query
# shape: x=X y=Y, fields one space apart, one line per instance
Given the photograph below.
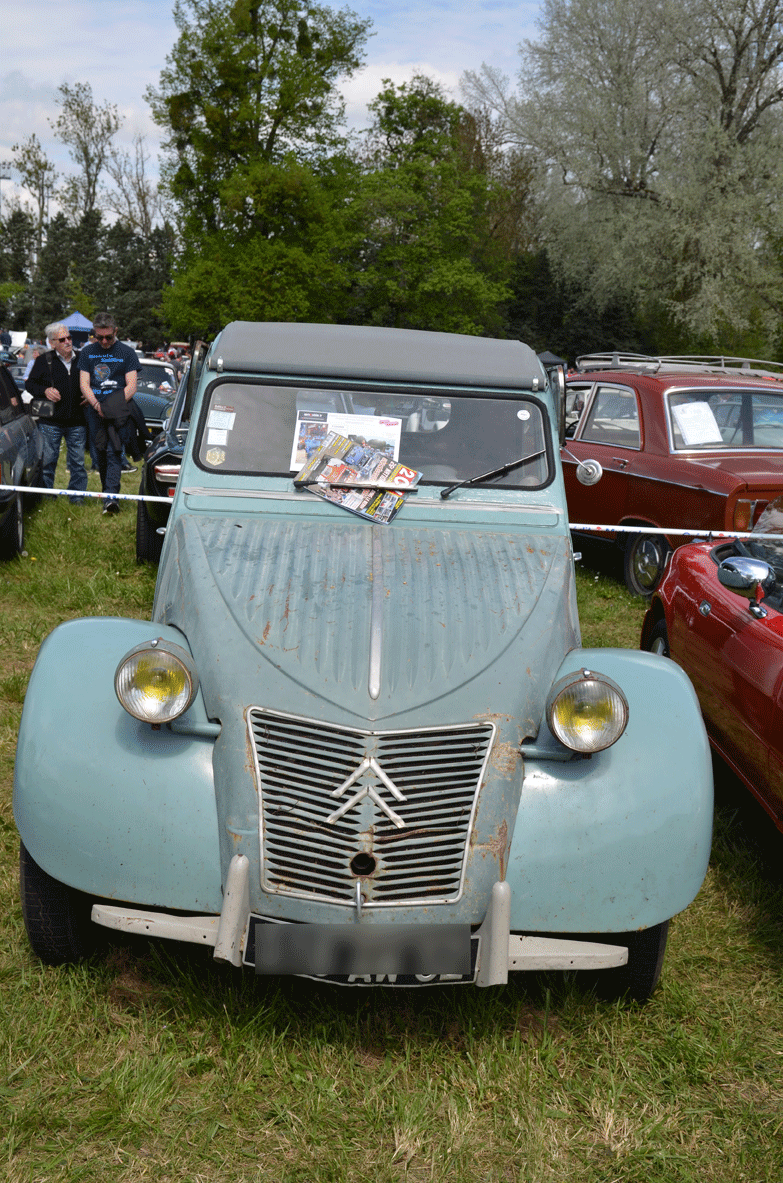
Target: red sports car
x=719 y=614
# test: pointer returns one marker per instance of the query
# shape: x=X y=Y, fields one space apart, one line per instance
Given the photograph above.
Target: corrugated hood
x=374 y=621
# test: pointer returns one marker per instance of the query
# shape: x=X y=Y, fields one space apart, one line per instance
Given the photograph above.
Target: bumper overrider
x=366 y=954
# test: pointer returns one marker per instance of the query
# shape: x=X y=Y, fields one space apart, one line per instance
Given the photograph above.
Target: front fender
x=103 y=802
x=620 y=840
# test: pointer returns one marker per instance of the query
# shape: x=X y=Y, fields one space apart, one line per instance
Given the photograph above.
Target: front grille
x=406 y=807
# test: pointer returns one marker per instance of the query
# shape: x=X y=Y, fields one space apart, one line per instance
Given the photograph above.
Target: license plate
x=346 y=955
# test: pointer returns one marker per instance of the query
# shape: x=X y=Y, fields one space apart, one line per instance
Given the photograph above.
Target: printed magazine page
x=340 y=458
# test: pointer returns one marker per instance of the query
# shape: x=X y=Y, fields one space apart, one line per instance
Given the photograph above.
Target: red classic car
x=689 y=442
x=718 y=613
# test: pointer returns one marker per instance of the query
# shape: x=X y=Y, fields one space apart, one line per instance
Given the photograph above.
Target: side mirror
x=589 y=472
x=744 y=576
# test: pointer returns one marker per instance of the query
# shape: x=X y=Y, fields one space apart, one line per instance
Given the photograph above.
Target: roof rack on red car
x=692 y=363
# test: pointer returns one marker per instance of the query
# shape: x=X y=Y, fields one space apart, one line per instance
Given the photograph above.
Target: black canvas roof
x=393 y=356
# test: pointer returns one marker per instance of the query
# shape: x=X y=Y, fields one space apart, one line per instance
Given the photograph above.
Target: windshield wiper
x=495 y=472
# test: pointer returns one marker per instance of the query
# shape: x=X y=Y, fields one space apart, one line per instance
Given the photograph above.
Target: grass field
x=151 y=1064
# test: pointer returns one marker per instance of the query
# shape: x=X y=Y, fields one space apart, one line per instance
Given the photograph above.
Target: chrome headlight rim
x=585 y=684
x=170 y=655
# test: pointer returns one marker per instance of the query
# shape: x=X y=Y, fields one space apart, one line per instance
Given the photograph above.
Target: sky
x=120 y=47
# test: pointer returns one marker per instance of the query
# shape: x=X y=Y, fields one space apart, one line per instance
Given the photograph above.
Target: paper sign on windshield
x=379 y=432
x=696 y=424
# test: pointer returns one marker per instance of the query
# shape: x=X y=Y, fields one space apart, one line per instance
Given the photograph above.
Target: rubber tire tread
x=56 y=917
x=638 y=978
x=149 y=543
x=12 y=531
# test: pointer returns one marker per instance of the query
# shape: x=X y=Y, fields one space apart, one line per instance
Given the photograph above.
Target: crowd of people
x=86 y=398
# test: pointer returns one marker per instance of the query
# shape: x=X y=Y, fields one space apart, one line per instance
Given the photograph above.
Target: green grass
x=154 y=1063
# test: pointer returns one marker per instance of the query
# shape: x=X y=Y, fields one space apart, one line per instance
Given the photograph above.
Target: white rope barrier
x=581 y=527
x=85 y=493
x=705 y=534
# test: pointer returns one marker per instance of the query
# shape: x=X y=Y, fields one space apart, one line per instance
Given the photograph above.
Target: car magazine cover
x=341 y=458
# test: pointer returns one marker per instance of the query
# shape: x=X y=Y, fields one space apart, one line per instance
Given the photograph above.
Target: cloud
x=120 y=48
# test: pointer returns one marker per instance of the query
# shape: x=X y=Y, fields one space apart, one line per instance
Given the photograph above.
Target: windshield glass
x=156 y=379
x=258 y=429
x=716 y=420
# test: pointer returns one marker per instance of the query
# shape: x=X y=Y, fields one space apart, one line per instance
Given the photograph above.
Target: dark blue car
x=21 y=464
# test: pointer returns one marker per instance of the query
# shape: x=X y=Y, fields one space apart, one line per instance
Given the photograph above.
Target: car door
x=735 y=662
x=608 y=431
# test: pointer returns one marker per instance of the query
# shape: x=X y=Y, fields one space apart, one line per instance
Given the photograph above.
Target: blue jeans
x=75 y=442
x=109 y=458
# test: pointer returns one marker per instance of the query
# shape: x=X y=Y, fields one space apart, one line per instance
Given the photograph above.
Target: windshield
x=156 y=379
x=717 y=420
x=259 y=429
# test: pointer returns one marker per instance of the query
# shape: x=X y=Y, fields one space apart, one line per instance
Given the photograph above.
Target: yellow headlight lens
x=587 y=712
x=156 y=682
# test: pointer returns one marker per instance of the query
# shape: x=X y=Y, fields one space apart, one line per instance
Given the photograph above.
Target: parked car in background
x=161 y=466
x=156 y=385
x=719 y=614
x=21 y=464
x=690 y=442
x=359 y=739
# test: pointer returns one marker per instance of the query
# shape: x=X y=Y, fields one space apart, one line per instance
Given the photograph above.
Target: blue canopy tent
x=79 y=326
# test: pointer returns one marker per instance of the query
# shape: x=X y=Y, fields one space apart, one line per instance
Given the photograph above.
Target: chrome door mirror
x=744 y=575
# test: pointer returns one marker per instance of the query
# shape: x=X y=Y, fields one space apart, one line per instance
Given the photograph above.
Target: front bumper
x=499 y=950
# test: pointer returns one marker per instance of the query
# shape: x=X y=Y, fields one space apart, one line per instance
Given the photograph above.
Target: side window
x=613 y=419
x=576 y=401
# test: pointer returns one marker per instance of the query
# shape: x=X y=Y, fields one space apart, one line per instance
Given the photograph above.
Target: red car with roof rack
x=690 y=442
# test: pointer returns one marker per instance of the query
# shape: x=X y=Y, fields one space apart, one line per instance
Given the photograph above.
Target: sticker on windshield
x=217 y=437
x=523 y=414
x=215 y=456
x=371 y=433
x=222 y=418
x=696 y=424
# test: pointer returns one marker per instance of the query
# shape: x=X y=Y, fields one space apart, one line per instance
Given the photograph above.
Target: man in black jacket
x=55 y=377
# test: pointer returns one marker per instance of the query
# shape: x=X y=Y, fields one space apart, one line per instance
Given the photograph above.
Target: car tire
x=658 y=640
x=638 y=978
x=56 y=917
x=12 y=529
x=646 y=556
x=148 y=542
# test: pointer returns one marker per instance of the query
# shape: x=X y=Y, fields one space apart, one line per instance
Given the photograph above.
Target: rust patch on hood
x=504 y=758
x=496 y=847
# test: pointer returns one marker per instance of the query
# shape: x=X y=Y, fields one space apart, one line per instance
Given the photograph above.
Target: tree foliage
x=427 y=256
x=249 y=82
x=656 y=132
x=87 y=129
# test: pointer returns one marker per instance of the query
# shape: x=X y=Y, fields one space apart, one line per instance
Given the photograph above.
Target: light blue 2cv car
x=359 y=739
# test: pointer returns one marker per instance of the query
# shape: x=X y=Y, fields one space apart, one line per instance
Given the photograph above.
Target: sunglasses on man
x=64 y=338
x=104 y=336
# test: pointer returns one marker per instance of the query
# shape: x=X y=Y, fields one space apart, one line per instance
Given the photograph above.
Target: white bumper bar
x=500 y=950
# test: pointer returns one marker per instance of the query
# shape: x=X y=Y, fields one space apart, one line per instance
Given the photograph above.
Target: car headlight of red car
x=156 y=681
x=586 y=711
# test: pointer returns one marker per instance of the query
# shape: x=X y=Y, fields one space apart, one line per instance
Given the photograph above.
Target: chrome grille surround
x=405 y=798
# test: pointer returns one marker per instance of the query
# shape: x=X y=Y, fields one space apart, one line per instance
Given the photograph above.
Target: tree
x=37 y=174
x=656 y=131
x=87 y=129
x=16 y=253
x=428 y=256
x=288 y=266
x=135 y=200
x=49 y=290
x=248 y=82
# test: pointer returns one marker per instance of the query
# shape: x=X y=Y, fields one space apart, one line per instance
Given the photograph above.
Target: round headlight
x=156 y=682
x=587 y=712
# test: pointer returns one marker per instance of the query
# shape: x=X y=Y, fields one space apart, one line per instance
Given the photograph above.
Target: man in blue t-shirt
x=107 y=376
